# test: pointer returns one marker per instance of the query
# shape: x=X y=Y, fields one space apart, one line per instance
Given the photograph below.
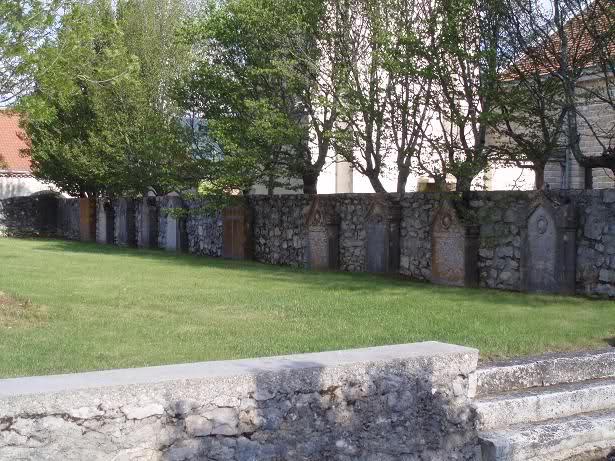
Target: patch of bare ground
x=15 y=313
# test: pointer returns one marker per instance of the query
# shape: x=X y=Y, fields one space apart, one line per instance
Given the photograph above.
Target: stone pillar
x=323 y=229
x=343 y=177
x=454 y=248
x=383 y=223
x=237 y=222
x=125 y=222
x=104 y=221
x=549 y=257
x=148 y=229
x=87 y=219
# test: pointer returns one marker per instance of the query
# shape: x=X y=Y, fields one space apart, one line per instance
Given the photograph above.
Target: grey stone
x=347 y=401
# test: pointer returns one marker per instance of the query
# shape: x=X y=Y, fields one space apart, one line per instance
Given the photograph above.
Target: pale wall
x=20 y=187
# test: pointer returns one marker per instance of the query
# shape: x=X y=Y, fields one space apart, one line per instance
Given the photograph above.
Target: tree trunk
x=402 y=179
x=376 y=184
x=539 y=176
x=463 y=184
x=310 y=184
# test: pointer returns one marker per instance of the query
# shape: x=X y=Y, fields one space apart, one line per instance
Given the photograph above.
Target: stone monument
x=105 y=221
x=87 y=219
x=323 y=229
x=148 y=230
x=237 y=240
x=548 y=261
x=454 y=248
x=382 y=226
x=176 y=236
x=125 y=222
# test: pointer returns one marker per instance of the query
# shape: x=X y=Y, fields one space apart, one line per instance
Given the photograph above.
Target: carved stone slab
x=87 y=219
x=176 y=238
x=382 y=226
x=237 y=224
x=549 y=258
x=454 y=249
x=125 y=221
x=323 y=235
x=149 y=223
x=105 y=221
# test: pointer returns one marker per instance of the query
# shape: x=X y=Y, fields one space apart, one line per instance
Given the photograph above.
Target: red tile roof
x=12 y=142
x=582 y=47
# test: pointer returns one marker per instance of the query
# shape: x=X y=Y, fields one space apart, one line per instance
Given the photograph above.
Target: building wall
x=20 y=186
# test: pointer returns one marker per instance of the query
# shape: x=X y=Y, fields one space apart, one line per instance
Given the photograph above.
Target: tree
x=25 y=26
x=571 y=46
x=90 y=123
x=264 y=87
x=462 y=96
x=150 y=29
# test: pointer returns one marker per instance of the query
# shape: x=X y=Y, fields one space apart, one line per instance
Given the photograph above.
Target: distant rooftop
x=12 y=141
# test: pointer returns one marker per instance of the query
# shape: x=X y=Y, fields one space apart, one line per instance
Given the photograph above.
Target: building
x=16 y=177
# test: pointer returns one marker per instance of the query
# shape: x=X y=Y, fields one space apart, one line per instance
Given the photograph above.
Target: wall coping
x=222 y=369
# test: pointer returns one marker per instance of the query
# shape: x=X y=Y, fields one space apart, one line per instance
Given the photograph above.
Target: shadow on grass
x=327 y=281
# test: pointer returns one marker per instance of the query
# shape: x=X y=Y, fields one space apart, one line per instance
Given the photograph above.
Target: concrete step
x=543 y=403
x=583 y=437
x=546 y=370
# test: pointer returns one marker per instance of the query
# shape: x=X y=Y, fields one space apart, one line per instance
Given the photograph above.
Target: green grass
x=71 y=307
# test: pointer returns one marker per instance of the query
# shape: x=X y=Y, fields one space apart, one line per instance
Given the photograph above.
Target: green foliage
x=251 y=85
x=25 y=25
x=92 y=126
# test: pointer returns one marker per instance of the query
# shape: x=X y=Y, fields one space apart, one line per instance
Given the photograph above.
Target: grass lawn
x=67 y=307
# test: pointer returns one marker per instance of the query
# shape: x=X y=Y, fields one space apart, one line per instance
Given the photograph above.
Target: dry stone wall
x=68 y=219
x=406 y=402
x=280 y=230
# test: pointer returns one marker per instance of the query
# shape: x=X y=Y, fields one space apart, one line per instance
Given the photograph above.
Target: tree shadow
x=334 y=280
x=398 y=409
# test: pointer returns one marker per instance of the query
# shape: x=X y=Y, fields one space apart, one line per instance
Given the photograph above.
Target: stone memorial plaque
x=101 y=222
x=87 y=219
x=149 y=223
x=125 y=221
x=237 y=227
x=376 y=244
x=172 y=234
x=110 y=222
x=549 y=259
x=454 y=249
x=542 y=250
x=323 y=235
x=382 y=228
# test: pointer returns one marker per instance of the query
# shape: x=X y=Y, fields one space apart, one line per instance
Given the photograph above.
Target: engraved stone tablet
x=323 y=235
x=454 y=249
x=237 y=224
x=383 y=222
x=549 y=258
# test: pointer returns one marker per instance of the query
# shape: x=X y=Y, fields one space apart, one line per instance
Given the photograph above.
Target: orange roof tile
x=12 y=142
x=581 y=43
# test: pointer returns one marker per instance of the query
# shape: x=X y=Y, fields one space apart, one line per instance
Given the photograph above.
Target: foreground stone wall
x=385 y=403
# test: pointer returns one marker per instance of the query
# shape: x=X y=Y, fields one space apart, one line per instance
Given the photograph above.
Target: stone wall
x=279 y=229
x=281 y=235
x=68 y=218
x=205 y=230
x=29 y=216
x=387 y=403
